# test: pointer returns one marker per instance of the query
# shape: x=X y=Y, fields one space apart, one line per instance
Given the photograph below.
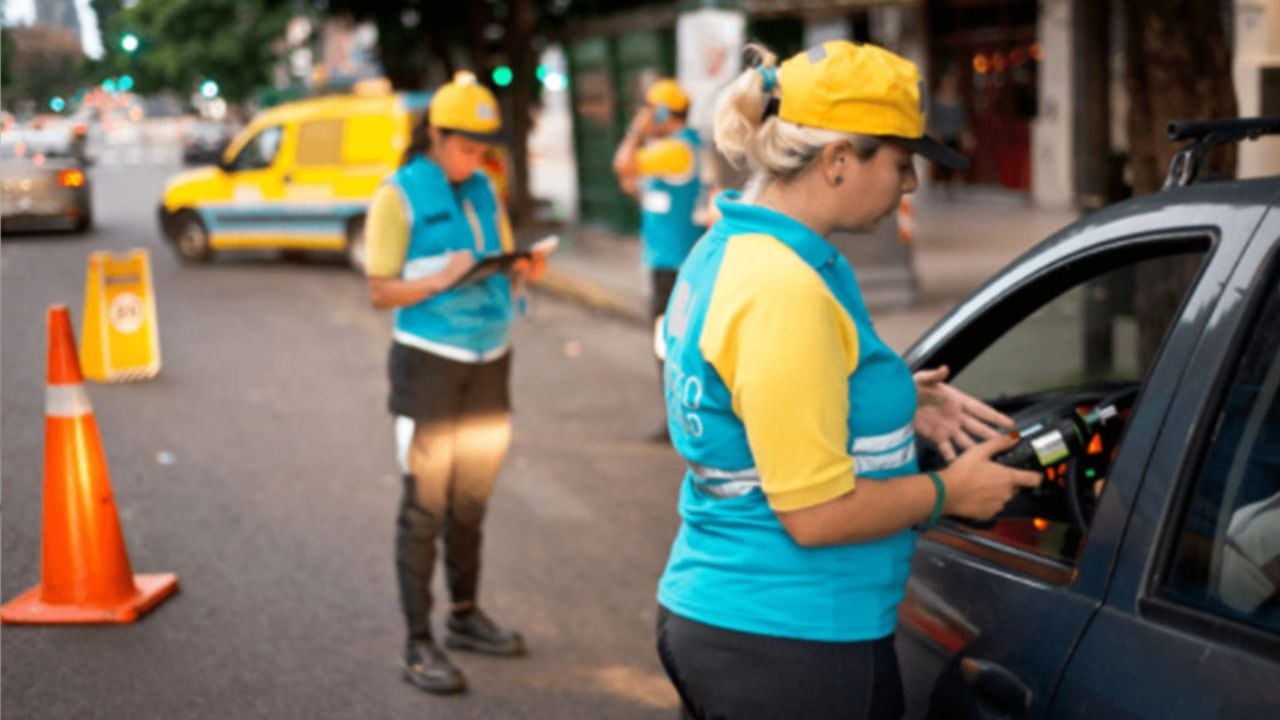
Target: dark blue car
x=1143 y=579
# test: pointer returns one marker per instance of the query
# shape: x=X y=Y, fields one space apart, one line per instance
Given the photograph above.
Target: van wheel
x=356 y=252
x=191 y=238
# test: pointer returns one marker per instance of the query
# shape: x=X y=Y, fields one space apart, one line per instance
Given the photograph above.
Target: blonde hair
x=771 y=148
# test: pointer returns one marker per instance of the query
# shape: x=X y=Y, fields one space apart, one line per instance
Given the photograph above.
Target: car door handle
x=996 y=685
x=287 y=178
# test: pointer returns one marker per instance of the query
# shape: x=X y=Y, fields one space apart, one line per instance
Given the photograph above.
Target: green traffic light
x=109 y=85
x=125 y=83
x=502 y=76
x=129 y=42
x=542 y=73
x=57 y=104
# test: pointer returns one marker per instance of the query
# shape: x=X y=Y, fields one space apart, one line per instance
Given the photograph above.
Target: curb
x=593 y=295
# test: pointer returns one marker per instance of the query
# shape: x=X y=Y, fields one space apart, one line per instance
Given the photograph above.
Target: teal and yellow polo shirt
x=780 y=396
x=669 y=170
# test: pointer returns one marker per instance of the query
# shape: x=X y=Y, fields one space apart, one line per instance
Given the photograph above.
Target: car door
x=1191 y=623
x=993 y=611
x=253 y=215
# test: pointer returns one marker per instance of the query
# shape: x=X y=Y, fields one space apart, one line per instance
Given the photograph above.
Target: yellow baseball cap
x=667 y=93
x=466 y=107
x=863 y=89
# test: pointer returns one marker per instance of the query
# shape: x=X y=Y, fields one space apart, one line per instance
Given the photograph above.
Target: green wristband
x=940 y=497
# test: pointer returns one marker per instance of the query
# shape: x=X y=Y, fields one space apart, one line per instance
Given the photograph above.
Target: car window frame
x=1017 y=304
x=1151 y=602
x=231 y=165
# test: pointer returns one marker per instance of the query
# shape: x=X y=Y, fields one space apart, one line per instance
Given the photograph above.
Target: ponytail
x=749 y=132
x=740 y=111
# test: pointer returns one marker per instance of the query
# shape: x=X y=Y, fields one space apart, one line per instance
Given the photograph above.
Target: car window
x=1082 y=352
x=261 y=151
x=1227 y=555
x=319 y=143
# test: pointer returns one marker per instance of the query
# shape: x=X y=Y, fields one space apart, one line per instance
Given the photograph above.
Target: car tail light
x=71 y=178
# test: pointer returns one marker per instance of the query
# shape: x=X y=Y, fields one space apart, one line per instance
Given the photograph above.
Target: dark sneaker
x=428 y=668
x=474 y=630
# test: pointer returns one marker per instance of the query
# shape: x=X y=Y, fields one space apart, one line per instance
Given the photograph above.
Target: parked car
x=299 y=177
x=1143 y=579
x=43 y=180
x=204 y=141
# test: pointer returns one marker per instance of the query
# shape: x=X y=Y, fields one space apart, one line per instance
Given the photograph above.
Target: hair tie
x=770 y=75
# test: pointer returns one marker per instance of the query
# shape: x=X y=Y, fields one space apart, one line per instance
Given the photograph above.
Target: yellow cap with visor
x=667 y=93
x=466 y=107
x=861 y=89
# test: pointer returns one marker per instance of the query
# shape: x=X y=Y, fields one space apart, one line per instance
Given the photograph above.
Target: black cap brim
x=934 y=151
x=498 y=138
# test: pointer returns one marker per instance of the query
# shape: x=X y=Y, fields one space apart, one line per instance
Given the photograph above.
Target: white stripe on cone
x=66 y=401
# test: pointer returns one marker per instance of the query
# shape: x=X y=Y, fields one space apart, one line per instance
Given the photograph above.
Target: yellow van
x=299 y=177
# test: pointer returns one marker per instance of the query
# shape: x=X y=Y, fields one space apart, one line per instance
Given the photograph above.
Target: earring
x=839 y=180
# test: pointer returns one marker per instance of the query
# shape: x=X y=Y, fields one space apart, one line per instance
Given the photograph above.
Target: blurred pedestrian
x=658 y=159
x=449 y=366
x=803 y=493
x=949 y=123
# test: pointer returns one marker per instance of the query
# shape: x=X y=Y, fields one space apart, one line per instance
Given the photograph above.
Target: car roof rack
x=1207 y=134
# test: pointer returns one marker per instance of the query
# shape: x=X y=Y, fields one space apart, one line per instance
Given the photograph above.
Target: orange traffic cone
x=85 y=575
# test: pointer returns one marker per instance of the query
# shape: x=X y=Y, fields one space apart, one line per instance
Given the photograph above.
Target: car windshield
x=28 y=146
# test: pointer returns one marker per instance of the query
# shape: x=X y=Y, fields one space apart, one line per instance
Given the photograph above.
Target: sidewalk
x=959 y=243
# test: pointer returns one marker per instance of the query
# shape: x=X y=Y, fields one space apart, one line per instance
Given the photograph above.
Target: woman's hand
x=530 y=269
x=951 y=419
x=978 y=488
x=459 y=263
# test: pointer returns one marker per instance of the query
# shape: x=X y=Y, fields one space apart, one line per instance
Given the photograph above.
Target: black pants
x=461 y=431
x=663 y=282
x=727 y=675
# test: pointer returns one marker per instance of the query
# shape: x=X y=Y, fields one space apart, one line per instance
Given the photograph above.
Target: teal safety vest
x=733 y=565
x=470 y=323
x=667 y=230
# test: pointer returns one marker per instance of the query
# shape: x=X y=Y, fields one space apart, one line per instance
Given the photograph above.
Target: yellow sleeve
x=785 y=348
x=386 y=233
x=665 y=157
x=505 y=236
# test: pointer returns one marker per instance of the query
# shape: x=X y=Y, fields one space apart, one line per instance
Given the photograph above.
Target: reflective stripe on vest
x=721 y=484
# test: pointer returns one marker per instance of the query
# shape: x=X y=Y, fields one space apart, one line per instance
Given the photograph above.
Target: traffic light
x=209 y=89
x=57 y=104
x=502 y=76
x=129 y=42
x=109 y=85
x=125 y=83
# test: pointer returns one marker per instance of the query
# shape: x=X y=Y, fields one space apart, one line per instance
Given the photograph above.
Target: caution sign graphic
x=121 y=341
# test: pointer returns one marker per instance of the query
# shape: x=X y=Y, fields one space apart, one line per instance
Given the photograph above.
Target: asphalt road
x=259 y=467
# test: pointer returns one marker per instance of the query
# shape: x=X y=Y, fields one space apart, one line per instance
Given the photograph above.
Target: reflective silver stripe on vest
x=722 y=484
x=424 y=266
x=864 y=463
x=66 y=401
x=881 y=443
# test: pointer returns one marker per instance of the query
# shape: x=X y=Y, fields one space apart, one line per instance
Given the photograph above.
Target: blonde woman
x=803 y=495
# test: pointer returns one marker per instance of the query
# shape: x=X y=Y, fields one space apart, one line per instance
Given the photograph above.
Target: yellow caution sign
x=121 y=341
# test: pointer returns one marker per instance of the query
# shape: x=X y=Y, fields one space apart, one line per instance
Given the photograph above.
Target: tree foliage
x=183 y=42
x=41 y=62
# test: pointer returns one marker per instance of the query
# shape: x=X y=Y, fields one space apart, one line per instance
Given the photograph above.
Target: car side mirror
x=223 y=165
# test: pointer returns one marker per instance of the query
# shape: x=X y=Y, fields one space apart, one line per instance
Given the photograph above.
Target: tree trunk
x=519 y=42
x=1178 y=67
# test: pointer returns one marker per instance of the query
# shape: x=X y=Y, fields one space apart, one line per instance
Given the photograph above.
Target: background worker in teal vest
x=665 y=173
x=803 y=494
x=449 y=365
